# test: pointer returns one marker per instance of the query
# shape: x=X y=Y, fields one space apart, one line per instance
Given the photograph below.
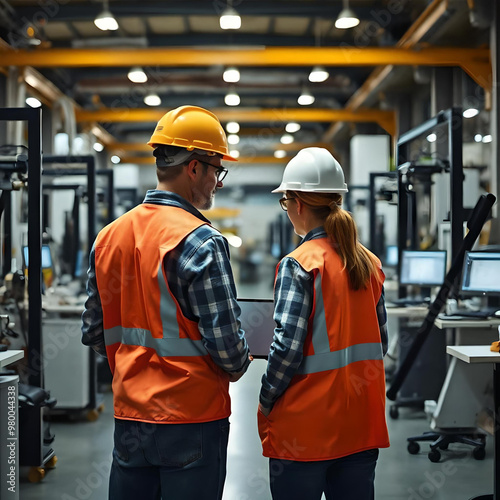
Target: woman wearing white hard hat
x=322 y=401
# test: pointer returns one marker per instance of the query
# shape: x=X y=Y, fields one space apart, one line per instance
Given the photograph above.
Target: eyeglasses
x=283 y=203
x=221 y=171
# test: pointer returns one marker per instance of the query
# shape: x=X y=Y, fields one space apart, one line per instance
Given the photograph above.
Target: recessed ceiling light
x=470 y=112
x=152 y=100
x=137 y=75
x=306 y=98
x=347 y=18
x=105 y=21
x=230 y=19
x=318 y=74
x=292 y=127
x=232 y=99
x=280 y=153
x=233 y=127
x=33 y=102
x=231 y=75
x=286 y=139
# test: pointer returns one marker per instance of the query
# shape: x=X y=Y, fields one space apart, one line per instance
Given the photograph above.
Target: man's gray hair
x=171 y=156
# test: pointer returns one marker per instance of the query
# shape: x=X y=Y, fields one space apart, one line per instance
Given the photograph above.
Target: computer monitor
x=46 y=257
x=481 y=274
x=423 y=268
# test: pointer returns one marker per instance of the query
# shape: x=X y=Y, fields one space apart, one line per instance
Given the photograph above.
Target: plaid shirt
x=200 y=278
x=293 y=295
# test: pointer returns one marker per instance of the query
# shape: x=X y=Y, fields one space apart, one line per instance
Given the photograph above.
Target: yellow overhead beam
x=476 y=62
x=156 y=57
x=272 y=117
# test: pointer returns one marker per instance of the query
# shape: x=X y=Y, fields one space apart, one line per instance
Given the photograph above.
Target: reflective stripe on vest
x=323 y=359
x=170 y=344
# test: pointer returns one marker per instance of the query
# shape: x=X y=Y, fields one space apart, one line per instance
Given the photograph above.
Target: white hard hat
x=313 y=170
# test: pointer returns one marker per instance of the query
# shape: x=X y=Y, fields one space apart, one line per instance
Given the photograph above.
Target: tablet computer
x=257 y=321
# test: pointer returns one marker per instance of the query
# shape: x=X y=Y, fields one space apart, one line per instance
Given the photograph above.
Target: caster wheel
x=479 y=453
x=413 y=448
x=394 y=412
x=36 y=474
x=51 y=463
x=434 y=456
x=92 y=415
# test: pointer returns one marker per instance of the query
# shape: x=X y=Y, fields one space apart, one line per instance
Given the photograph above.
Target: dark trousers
x=346 y=478
x=169 y=461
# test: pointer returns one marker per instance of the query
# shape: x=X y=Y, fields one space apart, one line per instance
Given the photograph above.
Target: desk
x=482 y=354
x=425 y=378
x=411 y=312
x=8 y=357
x=464 y=383
x=9 y=428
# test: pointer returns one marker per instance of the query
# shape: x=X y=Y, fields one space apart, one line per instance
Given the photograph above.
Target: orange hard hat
x=191 y=127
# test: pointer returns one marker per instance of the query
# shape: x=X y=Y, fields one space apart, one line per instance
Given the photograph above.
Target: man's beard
x=203 y=202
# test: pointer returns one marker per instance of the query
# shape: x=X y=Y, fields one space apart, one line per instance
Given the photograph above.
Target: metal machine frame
x=452 y=119
x=37 y=454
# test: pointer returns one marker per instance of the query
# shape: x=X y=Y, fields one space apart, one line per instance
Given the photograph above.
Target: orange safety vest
x=335 y=403
x=162 y=372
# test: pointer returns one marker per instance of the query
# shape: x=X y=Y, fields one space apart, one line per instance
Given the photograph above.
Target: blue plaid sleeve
x=201 y=279
x=293 y=305
x=382 y=322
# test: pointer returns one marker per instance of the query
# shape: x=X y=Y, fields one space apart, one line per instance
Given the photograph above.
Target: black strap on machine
x=474 y=225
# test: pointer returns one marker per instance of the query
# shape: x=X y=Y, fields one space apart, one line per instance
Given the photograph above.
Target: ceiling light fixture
x=347 y=18
x=292 y=127
x=137 y=75
x=286 y=139
x=33 y=102
x=306 y=98
x=98 y=147
x=233 y=139
x=232 y=98
x=432 y=137
x=280 y=153
x=231 y=75
x=152 y=99
x=234 y=153
x=115 y=159
x=470 y=112
x=105 y=21
x=233 y=127
x=478 y=138
x=230 y=19
x=318 y=74
x=487 y=138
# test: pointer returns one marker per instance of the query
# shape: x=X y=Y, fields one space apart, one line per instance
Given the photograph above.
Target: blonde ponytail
x=341 y=229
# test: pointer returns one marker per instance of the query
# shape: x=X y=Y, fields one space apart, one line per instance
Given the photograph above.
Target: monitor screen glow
x=423 y=268
x=481 y=273
x=46 y=257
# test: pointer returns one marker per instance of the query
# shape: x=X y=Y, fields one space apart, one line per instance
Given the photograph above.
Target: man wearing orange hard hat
x=162 y=308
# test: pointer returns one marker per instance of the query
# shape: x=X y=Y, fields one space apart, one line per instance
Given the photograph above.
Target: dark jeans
x=346 y=478
x=169 y=461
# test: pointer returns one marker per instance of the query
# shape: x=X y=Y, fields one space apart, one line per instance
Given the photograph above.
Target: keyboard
x=481 y=314
x=408 y=301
